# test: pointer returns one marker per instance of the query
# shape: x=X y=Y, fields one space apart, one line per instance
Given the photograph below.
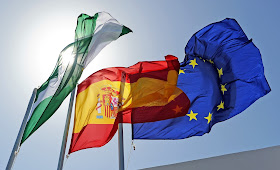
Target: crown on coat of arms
x=110 y=90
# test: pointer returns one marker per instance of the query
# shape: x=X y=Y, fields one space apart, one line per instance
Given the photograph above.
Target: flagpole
x=21 y=131
x=120 y=128
x=66 y=129
x=121 y=150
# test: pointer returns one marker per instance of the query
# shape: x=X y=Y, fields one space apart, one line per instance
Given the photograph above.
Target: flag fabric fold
x=144 y=92
x=92 y=34
x=222 y=74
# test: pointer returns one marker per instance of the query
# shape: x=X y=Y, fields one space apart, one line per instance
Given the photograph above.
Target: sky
x=34 y=32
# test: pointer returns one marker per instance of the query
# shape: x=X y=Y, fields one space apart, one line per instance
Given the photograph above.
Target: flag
x=92 y=34
x=144 y=92
x=222 y=74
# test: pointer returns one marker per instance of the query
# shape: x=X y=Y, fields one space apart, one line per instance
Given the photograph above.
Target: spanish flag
x=144 y=92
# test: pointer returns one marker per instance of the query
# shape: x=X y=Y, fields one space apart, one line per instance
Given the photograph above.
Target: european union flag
x=222 y=74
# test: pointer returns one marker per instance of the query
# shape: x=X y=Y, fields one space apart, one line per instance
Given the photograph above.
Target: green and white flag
x=92 y=34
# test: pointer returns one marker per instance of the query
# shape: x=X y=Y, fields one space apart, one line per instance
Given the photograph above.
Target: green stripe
x=85 y=26
x=125 y=30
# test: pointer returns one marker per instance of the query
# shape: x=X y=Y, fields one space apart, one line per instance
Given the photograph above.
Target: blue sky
x=33 y=33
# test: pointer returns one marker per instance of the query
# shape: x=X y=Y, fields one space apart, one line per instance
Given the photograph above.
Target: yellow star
x=223 y=88
x=192 y=115
x=209 y=118
x=220 y=72
x=193 y=63
x=221 y=105
x=212 y=62
x=178 y=109
x=181 y=71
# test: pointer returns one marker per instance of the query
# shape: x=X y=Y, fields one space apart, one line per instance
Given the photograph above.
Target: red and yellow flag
x=144 y=92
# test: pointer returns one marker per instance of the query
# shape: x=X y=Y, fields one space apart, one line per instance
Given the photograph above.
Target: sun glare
x=67 y=57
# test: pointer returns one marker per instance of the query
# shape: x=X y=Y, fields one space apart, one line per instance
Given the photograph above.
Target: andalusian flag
x=92 y=34
x=145 y=92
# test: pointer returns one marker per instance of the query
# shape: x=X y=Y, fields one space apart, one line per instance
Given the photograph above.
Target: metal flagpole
x=66 y=129
x=121 y=152
x=21 y=130
x=120 y=128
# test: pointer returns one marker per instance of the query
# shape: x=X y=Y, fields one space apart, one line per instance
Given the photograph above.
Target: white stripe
x=107 y=30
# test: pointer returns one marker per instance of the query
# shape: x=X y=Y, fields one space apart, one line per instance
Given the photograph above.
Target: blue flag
x=222 y=74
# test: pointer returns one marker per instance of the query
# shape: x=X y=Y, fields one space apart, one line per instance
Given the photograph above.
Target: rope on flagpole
x=67 y=156
x=129 y=156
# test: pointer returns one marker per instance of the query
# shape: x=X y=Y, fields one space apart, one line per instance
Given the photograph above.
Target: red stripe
x=93 y=135
x=150 y=69
x=157 y=113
